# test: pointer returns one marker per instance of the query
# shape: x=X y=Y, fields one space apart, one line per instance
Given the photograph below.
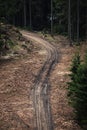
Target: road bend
x=43 y=117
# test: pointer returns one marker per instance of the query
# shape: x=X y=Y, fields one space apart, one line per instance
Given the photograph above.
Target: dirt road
x=43 y=118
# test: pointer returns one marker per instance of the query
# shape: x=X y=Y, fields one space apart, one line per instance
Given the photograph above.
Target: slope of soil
x=16 y=81
x=12 y=43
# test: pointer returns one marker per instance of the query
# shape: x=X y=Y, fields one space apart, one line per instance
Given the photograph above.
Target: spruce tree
x=77 y=89
x=72 y=84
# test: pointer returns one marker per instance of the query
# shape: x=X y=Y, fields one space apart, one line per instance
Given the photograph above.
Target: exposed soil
x=20 y=89
x=16 y=81
x=63 y=116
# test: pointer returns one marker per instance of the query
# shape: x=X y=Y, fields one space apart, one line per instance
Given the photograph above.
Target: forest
x=43 y=64
x=68 y=17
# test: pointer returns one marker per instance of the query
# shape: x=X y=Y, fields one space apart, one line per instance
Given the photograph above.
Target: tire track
x=43 y=117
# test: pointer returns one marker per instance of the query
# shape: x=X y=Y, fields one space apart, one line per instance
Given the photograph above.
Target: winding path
x=43 y=117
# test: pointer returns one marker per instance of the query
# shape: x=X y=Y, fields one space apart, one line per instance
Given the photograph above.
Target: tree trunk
x=78 y=22
x=86 y=25
x=30 y=14
x=13 y=20
x=52 y=17
x=69 y=22
x=25 y=13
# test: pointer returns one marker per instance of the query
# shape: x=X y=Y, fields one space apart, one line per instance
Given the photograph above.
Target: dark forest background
x=56 y=16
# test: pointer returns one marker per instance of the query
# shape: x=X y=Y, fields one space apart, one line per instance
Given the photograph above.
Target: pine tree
x=77 y=89
x=72 y=84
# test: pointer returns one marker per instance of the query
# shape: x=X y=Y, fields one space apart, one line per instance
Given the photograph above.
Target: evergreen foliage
x=77 y=88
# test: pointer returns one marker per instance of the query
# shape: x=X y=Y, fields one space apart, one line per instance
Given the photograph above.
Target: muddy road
x=41 y=87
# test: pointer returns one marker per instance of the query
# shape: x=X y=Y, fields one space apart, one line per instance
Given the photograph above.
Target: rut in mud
x=43 y=118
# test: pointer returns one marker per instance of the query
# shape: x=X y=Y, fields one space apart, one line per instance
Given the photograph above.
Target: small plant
x=5 y=44
x=10 y=43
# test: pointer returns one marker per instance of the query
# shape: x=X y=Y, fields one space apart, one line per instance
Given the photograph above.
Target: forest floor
x=17 y=82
